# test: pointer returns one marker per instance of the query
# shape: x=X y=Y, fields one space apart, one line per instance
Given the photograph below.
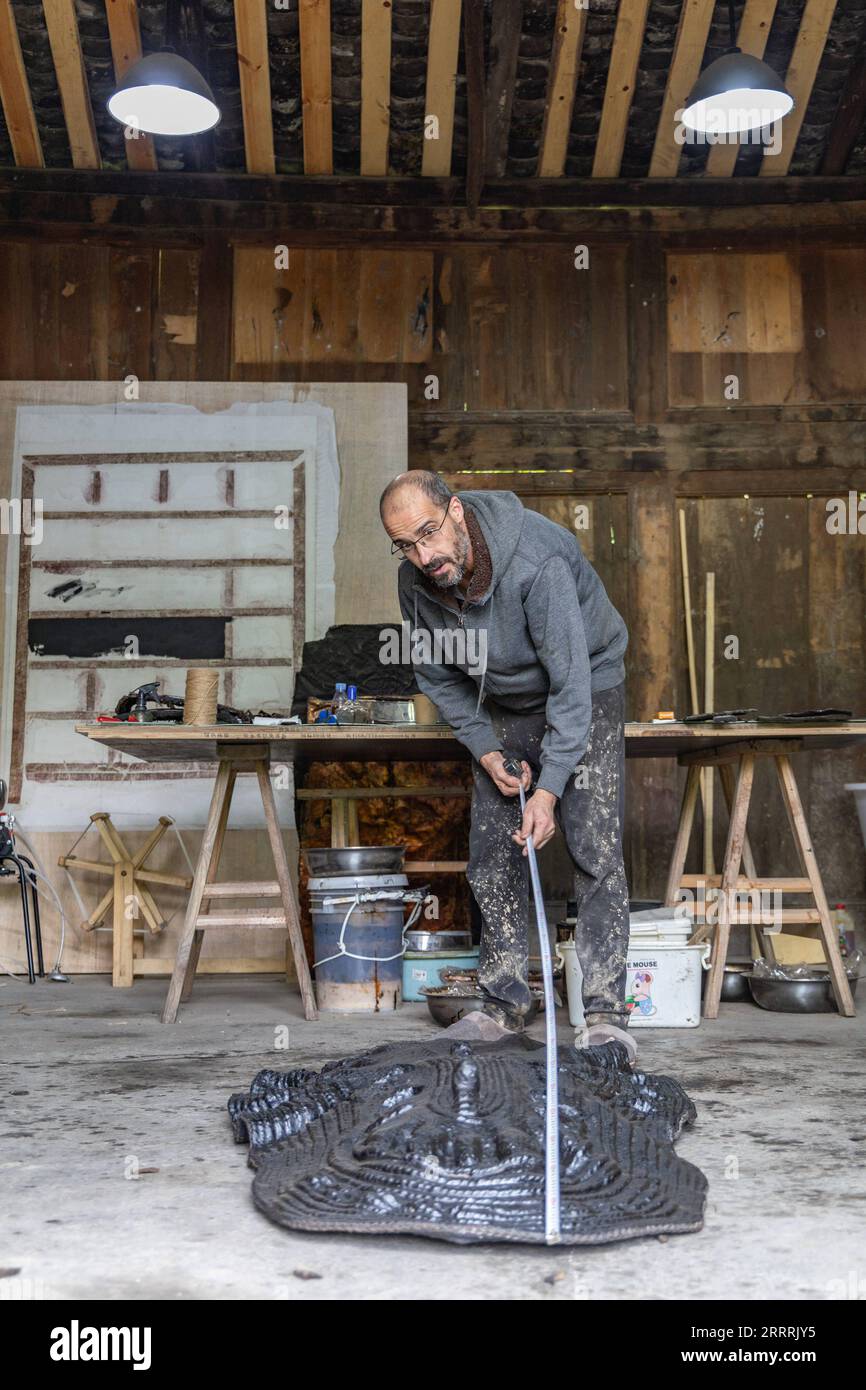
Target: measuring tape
x=551 y=1107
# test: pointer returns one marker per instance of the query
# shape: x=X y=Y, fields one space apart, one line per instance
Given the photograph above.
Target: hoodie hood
x=500 y=516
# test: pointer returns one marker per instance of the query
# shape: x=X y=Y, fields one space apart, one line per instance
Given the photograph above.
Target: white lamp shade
x=163 y=94
x=735 y=94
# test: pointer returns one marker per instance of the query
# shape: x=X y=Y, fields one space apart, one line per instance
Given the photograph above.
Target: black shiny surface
x=446 y=1139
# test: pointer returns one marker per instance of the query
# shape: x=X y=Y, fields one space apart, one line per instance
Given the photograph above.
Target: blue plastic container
x=422 y=968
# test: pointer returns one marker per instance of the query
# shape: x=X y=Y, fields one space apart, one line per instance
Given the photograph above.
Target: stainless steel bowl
x=355 y=859
x=735 y=984
x=447 y=1006
x=419 y=940
x=795 y=996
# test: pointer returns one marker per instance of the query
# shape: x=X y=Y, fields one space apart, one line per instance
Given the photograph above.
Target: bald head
x=418 y=481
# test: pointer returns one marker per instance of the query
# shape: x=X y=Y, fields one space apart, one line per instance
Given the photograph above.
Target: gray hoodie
x=549 y=632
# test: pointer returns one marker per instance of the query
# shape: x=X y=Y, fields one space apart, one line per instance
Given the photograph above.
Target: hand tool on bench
x=514 y=768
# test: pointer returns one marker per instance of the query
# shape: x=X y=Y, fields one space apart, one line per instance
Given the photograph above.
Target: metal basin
x=355 y=859
x=438 y=940
x=795 y=996
x=735 y=984
x=446 y=1005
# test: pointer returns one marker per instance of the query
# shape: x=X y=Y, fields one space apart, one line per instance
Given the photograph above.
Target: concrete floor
x=94 y=1086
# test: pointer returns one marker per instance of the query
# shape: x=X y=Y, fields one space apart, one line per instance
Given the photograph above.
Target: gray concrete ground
x=95 y=1088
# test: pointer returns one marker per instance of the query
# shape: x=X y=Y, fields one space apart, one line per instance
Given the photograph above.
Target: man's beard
x=458 y=562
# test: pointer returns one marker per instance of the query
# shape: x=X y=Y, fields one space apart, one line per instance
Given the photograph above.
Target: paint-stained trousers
x=590 y=815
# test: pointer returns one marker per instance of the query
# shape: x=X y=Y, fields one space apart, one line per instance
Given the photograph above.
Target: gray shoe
x=597 y=1034
x=478 y=1026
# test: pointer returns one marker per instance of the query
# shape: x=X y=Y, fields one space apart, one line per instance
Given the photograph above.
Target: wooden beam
x=850 y=117
x=619 y=92
x=15 y=94
x=314 y=18
x=505 y=27
x=375 y=86
x=754 y=30
x=251 y=29
x=442 y=50
x=800 y=79
x=561 y=88
x=65 y=41
x=691 y=43
x=125 y=37
x=185 y=209
x=473 y=56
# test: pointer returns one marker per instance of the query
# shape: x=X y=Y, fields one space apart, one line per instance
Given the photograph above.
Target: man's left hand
x=538 y=820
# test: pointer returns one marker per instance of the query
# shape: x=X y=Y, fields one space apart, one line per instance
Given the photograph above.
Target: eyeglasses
x=404 y=547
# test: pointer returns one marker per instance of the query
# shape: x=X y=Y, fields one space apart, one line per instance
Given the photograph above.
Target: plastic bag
x=772 y=970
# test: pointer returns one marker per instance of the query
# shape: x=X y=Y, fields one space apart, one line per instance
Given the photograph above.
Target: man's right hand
x=494 y=766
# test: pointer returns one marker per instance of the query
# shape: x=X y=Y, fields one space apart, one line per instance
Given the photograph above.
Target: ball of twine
x=200 y=698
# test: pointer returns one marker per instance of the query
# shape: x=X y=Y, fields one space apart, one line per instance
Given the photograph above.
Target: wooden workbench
x=734 y=749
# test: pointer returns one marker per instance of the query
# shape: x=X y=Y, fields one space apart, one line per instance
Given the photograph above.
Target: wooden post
x=709 y=701
x=730 y=875
x=803 y=840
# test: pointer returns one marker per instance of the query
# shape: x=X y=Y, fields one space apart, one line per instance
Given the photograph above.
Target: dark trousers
x=590 y=815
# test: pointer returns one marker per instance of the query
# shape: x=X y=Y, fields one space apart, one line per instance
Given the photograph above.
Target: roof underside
x=161 y=21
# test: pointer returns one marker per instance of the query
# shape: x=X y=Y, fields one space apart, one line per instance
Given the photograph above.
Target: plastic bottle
x=339 y=697
x=844 y=923
x=352 y=711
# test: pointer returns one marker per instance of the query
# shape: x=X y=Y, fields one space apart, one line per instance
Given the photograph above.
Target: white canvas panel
x=264 y=636
x=268 y=688
x=134 y=487
x=127 y=590
x=147 y=538
x=264 y=586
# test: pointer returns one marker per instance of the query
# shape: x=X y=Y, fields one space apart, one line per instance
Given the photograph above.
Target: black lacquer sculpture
x=447 y=1140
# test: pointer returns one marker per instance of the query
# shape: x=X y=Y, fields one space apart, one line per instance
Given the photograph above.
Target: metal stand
x=27 y=878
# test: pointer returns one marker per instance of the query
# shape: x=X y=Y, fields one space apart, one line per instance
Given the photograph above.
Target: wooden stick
x=290 y=907
x=806 y=852
x=687 y=605
x=185 y=944
x=213 y=869
x=730 y=874
x=709 y=700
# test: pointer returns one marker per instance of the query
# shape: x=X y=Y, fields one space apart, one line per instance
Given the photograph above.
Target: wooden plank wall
x=603 y=385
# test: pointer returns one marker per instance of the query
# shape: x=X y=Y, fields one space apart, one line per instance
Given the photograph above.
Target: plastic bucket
x=573 y=982
x=669 y=998
x=663 y=983
x=365 y=974
x=422 y=968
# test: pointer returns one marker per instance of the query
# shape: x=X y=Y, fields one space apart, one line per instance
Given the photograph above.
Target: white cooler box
x=663 y=983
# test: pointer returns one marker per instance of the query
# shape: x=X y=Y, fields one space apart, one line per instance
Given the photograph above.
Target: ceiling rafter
x=15 y=94
x=752 y=35
x=619 y=91
x=65 y=40
x=691 y=42
x=251 y=28
x=125 y=36
x=561 y=88
x=505 y=28
x=850 y=116
x=799 y=80
x=442 y=51
x=314 y=18
x=375 y=86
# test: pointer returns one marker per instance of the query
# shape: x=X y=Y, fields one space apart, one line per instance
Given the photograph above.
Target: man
x=530 y=665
